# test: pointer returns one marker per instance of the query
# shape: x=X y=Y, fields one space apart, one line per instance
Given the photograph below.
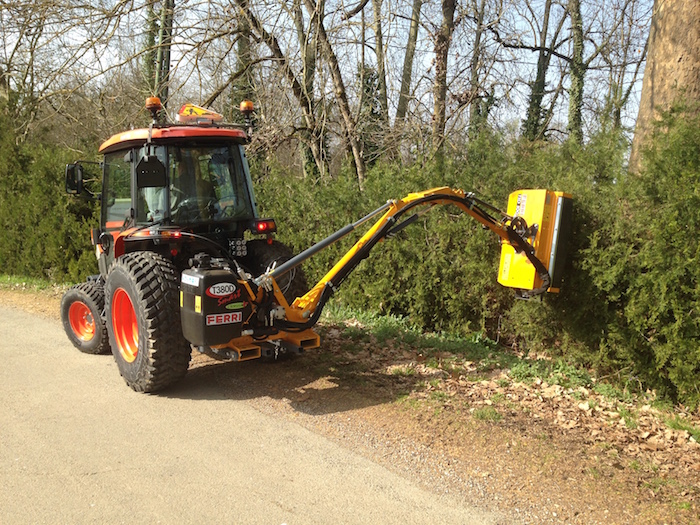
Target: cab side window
x=117 y=190
x=151 y=202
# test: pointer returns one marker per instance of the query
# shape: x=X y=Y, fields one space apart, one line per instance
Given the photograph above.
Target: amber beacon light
x=246 y=107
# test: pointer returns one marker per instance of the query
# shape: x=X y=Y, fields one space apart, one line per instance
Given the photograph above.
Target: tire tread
x=166 y=353
x=92 y=294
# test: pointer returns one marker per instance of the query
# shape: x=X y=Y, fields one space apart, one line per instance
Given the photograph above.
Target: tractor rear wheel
x=81 y=313
x=262 y=256
x=143 y=321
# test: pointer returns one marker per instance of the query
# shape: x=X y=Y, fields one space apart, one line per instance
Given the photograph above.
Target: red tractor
x=170 y=193
x=186 y=262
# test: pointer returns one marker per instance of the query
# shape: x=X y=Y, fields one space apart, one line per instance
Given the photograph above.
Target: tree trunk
x=4 y=87
x=532 y=127
x=442 y=50
x=476 y=118
x=308 y=43
x=672 y=68
x=408 y=64
x=363 y=64
x=297 y=87
x=577 y=74
x=149 y=56
x=163 y=58
x=379 y=52
x=243 y=88
x=341 y=97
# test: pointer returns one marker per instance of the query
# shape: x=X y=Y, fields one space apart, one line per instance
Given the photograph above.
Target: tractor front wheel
x=143 y=321
x=81 y=313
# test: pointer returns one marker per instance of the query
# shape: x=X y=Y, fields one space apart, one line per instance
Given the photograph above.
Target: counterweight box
x=548 y=217
x=213 y=306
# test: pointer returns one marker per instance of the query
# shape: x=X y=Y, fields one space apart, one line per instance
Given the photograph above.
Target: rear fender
x=119 y=237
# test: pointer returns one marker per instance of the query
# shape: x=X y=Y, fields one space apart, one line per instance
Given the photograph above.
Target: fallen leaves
x=635 y=439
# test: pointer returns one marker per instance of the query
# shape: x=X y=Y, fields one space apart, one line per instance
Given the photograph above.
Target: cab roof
x=137 y=137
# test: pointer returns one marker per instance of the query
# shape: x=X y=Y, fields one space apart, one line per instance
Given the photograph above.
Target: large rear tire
x=262 y=255
x=143 y=321
x=81 y=312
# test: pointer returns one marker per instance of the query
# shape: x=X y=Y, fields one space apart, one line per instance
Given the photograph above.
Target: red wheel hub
x=81 y=321
x=125 y=325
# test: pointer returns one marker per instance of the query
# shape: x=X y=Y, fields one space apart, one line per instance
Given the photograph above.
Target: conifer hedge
x=43 y=232
x=629 y=305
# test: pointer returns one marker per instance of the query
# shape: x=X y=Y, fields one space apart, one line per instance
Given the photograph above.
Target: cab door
x=117 y=205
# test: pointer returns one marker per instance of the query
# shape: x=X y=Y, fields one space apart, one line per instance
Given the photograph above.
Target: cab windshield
x=205 y=183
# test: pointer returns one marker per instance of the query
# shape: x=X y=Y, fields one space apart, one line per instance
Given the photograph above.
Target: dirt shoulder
x=544 y=453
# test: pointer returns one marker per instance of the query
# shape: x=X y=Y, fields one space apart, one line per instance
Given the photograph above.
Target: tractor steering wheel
x=194 y=208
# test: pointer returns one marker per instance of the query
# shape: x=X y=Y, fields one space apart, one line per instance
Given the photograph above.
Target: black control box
x=213 y=305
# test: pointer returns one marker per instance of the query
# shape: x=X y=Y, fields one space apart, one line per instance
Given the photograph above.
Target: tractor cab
x=178 y=189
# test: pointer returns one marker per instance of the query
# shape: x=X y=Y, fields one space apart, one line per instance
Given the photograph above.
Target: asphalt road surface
x=78 y=446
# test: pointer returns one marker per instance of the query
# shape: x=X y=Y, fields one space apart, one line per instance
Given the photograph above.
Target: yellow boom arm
x=520 y=239
x=533 y=235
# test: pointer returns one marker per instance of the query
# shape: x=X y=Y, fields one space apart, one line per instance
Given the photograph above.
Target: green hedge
x=663 y=306
x=43 y=232
x=629 y=302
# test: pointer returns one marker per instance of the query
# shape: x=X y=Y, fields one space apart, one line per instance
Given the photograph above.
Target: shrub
x=664 y=299
x=43 y=232
x=630 y=299
x=630 y=289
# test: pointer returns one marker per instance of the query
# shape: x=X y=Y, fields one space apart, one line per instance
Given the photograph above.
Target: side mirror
x=74 y=179
x=150 y=173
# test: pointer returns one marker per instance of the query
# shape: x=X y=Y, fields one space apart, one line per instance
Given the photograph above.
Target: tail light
x=264 y=226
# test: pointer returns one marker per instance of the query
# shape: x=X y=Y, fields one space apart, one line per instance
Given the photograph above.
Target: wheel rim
x=81 y=321
x=125 y=325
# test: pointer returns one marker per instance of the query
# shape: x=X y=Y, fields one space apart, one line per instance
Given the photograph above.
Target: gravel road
x=78 y=446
